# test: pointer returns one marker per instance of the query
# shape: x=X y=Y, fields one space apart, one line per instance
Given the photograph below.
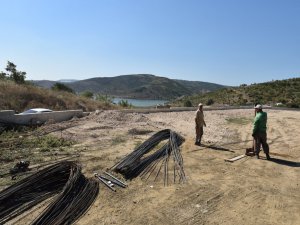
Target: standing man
x=259 y=132
x=199 y=120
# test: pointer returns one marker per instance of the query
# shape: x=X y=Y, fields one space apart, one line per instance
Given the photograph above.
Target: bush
x=61 y=87
x=124 y=103
x=188 y=103
x=293 y=105
x=87 y=94
x=104 y=98
x=210 y=102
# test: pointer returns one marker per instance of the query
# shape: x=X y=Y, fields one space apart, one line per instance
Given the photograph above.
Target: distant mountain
x=139 y=86
x=44 y=83
x=49 y=83
x=280 y=92
x=66 y=80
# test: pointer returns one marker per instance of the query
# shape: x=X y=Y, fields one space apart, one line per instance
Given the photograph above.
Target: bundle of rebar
x=75 y=194
x=140 y=163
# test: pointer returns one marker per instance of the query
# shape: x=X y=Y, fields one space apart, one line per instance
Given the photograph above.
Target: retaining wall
x=9 y=116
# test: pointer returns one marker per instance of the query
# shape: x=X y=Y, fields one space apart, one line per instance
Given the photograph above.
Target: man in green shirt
x=259 y=132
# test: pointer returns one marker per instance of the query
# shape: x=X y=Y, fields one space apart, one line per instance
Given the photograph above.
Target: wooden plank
x=235 y=158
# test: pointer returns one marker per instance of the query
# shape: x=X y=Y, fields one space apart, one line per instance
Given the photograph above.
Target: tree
x=13 y=73
x=61 y=87
x=2 y=75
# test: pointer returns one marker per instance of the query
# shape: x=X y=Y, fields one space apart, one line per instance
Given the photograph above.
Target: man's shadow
x=218 y=148
x=285 y=162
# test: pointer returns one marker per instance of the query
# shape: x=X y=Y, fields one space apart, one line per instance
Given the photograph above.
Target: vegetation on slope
x=286 y=92
x=19 y=97
x=197 y=87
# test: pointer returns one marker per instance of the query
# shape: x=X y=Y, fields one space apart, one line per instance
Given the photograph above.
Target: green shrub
x=188 y=103
x=124 y=103
x=210 y=102
x=87 y=94
x=61 y=87
x=104 y=98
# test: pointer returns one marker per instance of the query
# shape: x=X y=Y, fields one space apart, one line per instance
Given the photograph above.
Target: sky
x=228 y=42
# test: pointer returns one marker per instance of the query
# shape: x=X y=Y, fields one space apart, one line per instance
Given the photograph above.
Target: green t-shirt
x=260 y=123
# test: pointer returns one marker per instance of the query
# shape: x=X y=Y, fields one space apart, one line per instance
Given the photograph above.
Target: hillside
x=286 y=92
x=200 y=87
x=139 y=86
x=19 y=97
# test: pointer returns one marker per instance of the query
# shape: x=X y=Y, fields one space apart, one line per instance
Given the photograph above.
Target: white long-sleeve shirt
x=199 y=118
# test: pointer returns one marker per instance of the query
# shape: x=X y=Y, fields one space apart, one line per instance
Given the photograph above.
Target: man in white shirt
x=199 y=121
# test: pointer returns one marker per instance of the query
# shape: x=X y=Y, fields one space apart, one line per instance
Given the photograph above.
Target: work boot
x=198 y=143
x=268 y=156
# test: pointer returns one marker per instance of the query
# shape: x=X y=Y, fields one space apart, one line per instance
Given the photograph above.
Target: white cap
x=200 y=104
x=258 y=106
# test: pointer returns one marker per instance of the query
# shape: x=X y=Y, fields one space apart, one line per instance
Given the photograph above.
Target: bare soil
x=248 y=191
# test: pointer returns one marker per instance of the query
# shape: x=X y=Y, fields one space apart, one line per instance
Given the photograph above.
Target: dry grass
x=20 y=97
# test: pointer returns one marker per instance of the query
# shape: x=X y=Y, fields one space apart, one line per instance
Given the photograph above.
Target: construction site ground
x=247 y=191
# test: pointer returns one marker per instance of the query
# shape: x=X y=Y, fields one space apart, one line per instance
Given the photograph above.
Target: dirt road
x=248 y=191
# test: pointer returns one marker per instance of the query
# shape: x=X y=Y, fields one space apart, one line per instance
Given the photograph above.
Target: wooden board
x=235 y=158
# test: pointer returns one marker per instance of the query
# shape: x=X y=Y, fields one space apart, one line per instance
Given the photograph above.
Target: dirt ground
x=248 y=191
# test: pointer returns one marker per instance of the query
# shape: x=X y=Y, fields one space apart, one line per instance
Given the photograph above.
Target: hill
x=286 y=92
x=197 y=87
x=19 y=97
x=139 y=86
x=44 y=83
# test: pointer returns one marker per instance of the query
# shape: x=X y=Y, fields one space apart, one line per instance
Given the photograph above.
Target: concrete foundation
x=9 y=117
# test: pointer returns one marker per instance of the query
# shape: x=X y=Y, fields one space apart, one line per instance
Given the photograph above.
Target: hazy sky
x=221 y=41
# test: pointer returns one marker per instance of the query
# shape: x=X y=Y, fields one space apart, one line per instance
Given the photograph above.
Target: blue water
x=140 y=102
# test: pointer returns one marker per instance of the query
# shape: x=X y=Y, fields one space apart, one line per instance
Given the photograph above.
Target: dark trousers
x=260 y=139
x=199 y=133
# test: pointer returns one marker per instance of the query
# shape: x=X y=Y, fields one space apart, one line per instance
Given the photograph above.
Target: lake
x=140 y=102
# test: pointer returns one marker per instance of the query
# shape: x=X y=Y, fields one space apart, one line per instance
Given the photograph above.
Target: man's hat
x=258 y=106
x=200 y=104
